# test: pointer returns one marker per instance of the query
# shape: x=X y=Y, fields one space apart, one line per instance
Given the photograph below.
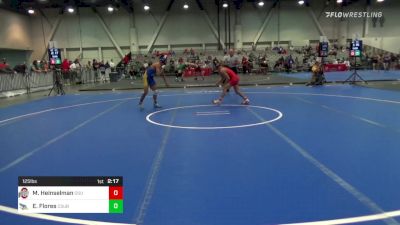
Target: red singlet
x=233 y=77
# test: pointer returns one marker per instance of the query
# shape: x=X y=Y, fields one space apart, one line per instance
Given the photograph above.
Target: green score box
x=116 y=206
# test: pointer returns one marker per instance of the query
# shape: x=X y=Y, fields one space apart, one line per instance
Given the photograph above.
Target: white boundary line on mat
x=358 y=219
x=199 y=92
x=148 y=117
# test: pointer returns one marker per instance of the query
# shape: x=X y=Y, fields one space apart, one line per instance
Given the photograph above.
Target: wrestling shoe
x=246 y=102
x=217 y=102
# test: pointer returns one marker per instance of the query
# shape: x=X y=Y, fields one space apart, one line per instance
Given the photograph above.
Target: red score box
x=116 y=192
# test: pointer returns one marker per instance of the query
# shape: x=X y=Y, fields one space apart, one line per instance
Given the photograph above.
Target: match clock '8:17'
x=113 y=181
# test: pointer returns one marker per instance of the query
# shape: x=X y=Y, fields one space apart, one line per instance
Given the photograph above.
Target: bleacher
x=29 y=81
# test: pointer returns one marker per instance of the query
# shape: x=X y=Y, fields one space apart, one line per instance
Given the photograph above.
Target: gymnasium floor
x=296 y=154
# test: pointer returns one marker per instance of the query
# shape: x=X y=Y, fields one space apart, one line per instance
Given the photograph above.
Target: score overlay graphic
x=70 y=194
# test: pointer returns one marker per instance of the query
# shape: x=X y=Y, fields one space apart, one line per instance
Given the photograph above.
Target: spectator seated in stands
x=332 y=52
x=264 y=67
x=317 y=77
x=288 y=63
x=252 y=57
x=136 y=69
x=347 y=63
x=386 y=62
x=279 y=64
x=246 y=65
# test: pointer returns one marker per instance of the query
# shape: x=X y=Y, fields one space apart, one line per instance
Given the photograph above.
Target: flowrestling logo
x=353 y=14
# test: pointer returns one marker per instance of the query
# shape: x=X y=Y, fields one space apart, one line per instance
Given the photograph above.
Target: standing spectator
x=215 y=63
x=386 y=62
x=398 y=61
x=296 y=62
x=65 y=66
x=35 y=67
x=198 y=71
x=112 y=65
x=127 y=58
x=75 y=69
x=3 y=64
x=317 y=77
x=95 y=66
x=45 y=66
x=375 y=60
x=102 y=69
x=65 y=69
x=393 y=61
x=4 y=67
x=21 y=68
x=88 y=66
x=347 y=63
x=253 y=47
x=232 y=61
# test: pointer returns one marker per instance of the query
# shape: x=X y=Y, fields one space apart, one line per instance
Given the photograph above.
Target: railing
x=19 y=81
x=34 y=80
x=10 y=82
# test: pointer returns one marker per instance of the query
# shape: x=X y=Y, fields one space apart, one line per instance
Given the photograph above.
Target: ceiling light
x=301 y=2
x=31 y=11
x=185 y=6
x=261 y=3
x=146 y=7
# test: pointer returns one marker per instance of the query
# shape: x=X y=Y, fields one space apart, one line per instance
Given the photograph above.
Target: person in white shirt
x=72 y=66
x=112 y=65
x=232 y=60
x=74 y=69
x=347 y=62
